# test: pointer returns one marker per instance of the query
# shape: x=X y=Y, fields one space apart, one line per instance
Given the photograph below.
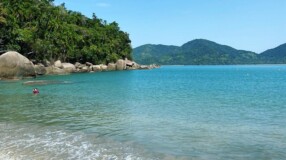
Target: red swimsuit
x=36 y=91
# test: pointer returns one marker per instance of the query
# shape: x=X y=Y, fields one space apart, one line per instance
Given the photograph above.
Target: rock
x=40 y=69
x=151 y=66
x=96 y=68
x=58 y=64
x=111 y=67
x=84 y=69
x=46 y=63
x=103 y=67
x=133 y=66
x=88 y=64
x=144 y=67
x=55 y=70
x=129 y=64
x=90 y=68
x=13 y=65
x=136 y=65
x=120 y=65
x=68 y=67
x=77 y=64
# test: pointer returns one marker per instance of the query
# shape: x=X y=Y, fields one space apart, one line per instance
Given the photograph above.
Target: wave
x=35 y=142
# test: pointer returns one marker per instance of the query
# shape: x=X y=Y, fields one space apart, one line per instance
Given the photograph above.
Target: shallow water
x=174 y=112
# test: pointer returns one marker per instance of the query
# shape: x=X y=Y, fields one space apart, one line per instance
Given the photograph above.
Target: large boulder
x=13 y=65
x=58 y=64
x=85 y=69
x=68 y=67
x=120 y=65
x=103 y=67
x=96 y=68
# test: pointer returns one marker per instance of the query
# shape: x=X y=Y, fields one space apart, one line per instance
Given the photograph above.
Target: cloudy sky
x=254 y=25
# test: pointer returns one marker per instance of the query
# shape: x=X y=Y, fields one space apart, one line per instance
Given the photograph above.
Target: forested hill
x=202 y=52
x=40 y=30
x=198 y=51
x=155 y=54
x=275 y=55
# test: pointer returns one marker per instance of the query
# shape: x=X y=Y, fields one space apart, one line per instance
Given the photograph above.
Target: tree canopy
x=40 y=30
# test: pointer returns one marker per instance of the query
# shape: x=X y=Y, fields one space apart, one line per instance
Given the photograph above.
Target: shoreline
x=13 y=65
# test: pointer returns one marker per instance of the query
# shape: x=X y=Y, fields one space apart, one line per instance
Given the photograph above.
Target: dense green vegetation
x=40 y=30
x=203 y=52
x=275 y=55
x=155 y=54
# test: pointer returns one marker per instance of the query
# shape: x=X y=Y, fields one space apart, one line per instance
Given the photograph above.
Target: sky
x=253 y=25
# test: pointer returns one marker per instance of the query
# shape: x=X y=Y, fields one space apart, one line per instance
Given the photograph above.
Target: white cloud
x=102 y=4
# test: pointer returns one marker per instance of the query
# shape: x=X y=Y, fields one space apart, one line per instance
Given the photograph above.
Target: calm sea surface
x=174 y=112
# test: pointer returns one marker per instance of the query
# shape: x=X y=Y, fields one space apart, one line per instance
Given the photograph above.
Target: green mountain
x=275 y=55
x=159 y=54
x=203 y=52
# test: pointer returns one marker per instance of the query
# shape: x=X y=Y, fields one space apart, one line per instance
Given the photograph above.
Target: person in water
x=35 y=91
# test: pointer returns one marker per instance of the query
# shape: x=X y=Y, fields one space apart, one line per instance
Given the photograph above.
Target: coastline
x=13 y=65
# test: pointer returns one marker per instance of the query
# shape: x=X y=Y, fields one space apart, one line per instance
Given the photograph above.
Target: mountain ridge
x=205 y=52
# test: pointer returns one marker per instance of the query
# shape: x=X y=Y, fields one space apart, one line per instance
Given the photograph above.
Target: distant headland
x=205 y=52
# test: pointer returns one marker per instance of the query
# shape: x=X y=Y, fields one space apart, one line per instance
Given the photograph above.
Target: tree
x=52 y=32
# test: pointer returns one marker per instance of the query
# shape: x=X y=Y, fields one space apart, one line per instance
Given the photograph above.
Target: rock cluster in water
x=13 y=65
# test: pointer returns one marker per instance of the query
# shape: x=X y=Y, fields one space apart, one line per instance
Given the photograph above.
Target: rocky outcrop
x=40 y=69
x=111 y=67
x=96 y=68
x=60 y=68
x=88 y=64
x=55 y=70
x=89 y=67
x=151 y=66
x=13 y=65
x=103 y=67
x=132 y=65
x=68 y=67
x=120 y=65
x=46 y=63
x=85 y=69
x=63 y=68
x=77 y=65
x=58 y=64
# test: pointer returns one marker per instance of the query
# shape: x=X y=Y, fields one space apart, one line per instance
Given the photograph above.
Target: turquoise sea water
x=174 y=112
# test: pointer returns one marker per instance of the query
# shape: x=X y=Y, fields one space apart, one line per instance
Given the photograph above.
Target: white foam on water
x=21 y=142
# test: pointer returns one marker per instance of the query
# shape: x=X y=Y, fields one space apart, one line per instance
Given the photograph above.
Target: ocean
x=235 y=112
